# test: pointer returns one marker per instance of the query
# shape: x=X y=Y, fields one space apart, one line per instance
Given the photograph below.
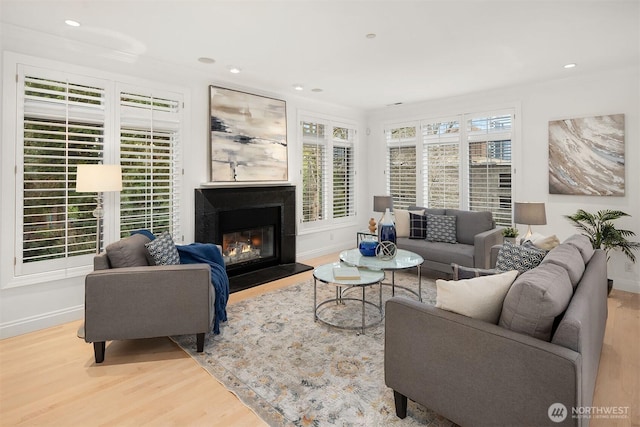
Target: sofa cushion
x=470 y=223
x=417 y=226
x=480 y=297
x=461 y=272
x=432 y=211
x=535 y=299
x=163 y=250
x=441 y=228
x=518 y=257
x=583 y=244
x=568 y=257
x=443 y=253
x=128 y=252
x=402 y=220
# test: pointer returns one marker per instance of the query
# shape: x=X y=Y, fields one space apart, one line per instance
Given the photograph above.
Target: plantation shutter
x=441 y=164
x=150 y=160
x=62 y=125
x=489 y=140
x=402 y=166
x=343 y=173
x=314 y=176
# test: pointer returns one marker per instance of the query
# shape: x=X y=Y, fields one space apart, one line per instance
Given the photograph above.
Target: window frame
x=328 y=143
x=14 y=274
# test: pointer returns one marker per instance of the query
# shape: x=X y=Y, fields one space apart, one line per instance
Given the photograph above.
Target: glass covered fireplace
x=248 y=245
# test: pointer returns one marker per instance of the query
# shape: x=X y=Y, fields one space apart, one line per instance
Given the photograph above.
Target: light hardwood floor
x=49 y=378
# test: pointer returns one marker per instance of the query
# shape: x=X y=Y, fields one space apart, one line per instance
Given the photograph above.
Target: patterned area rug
x=293 y=371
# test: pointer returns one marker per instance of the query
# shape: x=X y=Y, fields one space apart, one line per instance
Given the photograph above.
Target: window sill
x=50 y=276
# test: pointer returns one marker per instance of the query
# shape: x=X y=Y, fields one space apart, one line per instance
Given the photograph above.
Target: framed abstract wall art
x=586 y=156
x=248 y=137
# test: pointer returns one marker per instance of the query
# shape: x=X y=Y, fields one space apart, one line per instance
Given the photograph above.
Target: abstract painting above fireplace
x=255 y=227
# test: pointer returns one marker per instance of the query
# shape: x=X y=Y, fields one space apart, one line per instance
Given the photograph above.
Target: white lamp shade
x=98 y=178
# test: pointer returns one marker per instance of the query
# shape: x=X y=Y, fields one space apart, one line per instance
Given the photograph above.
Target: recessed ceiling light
x=234 y=70
x=572 y=65
x=206 y=60
x=316 y=89
x=298 y=86
x=371 y=36
x=72 y=23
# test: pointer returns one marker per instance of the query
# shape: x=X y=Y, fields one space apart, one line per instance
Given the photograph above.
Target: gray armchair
x=126 y=298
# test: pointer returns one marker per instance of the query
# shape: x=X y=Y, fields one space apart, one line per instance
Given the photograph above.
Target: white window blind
x=314 y=177
x=402 y=166
x=151 y=167
x=62 y=124
x=343 y=173
x=441 y=164
x=489 y=177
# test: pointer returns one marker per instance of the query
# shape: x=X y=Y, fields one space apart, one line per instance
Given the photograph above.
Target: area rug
x=293 y=371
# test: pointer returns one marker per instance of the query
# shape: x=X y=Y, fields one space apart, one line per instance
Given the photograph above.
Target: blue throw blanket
x=208 y=253
x=205 y=253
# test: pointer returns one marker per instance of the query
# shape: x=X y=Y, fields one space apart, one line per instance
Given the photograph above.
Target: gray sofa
x=476 y=233
x=476 y=373
x=126 y=298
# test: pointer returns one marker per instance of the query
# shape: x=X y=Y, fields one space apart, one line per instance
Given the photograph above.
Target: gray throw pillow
x=441 y=228
x=535 y=299
x=518 y=257
x=128 y=252
x=163 y=250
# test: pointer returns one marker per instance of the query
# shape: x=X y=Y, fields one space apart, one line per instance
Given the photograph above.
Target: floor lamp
x=98 y=179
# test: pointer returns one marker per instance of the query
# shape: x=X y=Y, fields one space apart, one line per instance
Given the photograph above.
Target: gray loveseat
x=476 y=233
x=126 y=298
x=476 y=373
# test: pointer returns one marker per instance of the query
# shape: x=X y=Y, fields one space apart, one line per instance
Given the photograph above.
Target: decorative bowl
x=368 y=247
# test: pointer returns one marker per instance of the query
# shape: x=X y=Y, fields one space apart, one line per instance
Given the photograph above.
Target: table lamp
x=381 y=204
x=529 y=214
x=98 y=179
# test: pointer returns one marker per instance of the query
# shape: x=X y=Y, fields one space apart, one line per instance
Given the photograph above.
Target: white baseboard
x=41 y=321
x=325 y=250
x=626 y=285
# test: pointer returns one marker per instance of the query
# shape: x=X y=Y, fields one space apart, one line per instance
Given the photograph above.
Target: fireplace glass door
x=246 y=246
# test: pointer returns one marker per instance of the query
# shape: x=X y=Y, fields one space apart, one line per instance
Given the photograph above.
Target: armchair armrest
x=473 y=372
x=482 y=246
x=144 y=302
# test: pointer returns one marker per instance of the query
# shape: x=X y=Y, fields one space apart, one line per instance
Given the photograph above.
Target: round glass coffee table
x=403 y=260
x=324 y=274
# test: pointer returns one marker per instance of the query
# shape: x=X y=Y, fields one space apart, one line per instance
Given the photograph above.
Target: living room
x=604 y=82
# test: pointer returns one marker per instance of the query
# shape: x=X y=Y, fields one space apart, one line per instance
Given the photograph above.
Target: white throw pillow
x=547 y=243
x=480 y=297
x=401 y=218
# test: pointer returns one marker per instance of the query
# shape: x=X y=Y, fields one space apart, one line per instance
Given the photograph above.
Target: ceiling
x=422 y=50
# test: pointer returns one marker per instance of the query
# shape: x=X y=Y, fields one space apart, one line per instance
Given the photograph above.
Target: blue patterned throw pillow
x=417 y=226
x=518 y=257
x=163 y=250
x=441 y=228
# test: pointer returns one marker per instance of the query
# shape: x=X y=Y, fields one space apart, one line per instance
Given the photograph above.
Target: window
x=149 y=141
x=328 y=171
x=489 y=175
x=65 y=120
x=441 y=157
x=474 y=149
x=343 y=173
x=314 y=184
x=402 y=166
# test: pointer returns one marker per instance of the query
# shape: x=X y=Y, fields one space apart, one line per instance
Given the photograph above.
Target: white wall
x=605 y=92
x=38 y=305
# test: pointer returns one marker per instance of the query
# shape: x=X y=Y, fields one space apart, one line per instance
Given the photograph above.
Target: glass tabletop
x=324 y=273
x=403 y=259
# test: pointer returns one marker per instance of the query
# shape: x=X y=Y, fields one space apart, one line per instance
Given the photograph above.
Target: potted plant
x=599 y=228
x=510 y=234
